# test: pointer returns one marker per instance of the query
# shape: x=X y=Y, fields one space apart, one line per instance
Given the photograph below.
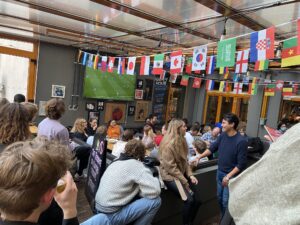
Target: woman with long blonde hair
x=175 y=170
x=78 y=129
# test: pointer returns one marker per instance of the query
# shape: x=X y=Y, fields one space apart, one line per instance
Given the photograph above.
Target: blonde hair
x=28 y=170
x=78 y=125
x=174 y=139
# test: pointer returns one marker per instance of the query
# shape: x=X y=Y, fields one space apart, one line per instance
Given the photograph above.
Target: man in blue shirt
x=232 y=149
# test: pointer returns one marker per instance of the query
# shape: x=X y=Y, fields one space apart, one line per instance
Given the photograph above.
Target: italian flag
x=289 y=55
x=158 y=64
x=261 y=65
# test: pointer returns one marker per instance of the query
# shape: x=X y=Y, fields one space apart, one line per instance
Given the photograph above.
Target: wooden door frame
x=220 y=96
x=32 y=68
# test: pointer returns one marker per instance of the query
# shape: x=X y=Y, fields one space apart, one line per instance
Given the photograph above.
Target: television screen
x=104 y=85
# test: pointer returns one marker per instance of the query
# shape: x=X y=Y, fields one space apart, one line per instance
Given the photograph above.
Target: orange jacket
x=114 y=132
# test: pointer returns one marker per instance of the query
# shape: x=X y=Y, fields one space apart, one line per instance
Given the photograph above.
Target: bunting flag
x=111 y=62
x=252 y=90
x=211 y=63
x=227 y=86
x=298 y=28
x=162 y=75
x=96 y=62
x=103 y=63
x=121 y=65
x=238 y=88
x=279 y=85
x=173 y=78
x=188 y=66
x=222 y=86
x=262 y=45
x=197 y=82
x=289 y=55
x=131 y=65
x=90 y=62
x=79 y=56
x=145 y=64
x=287 y=91
x=184 y=80
x=226 y=53
x=209 y=85
x=158 y=64
x=261 y=65
x=176 y=62
x=223 y=70
x=84 y=58
x=199 y=58
x=242 y=61
x=295 y=89
x=270 y=90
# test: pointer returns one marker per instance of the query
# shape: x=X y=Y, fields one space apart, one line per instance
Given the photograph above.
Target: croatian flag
x=209 y=85
x=131 y=65
x=211 y=63
x=121 y=66
x=145 y=64
x=199 y=58
x=262 y=45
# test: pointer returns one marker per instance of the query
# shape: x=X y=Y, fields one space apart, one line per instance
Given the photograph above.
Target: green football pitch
x=104 y=85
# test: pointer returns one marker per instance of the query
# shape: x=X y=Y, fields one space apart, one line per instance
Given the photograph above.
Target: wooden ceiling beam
x=57 y=12
x=145 y=15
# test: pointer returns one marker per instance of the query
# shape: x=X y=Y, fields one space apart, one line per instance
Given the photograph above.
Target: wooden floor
x=84 y=210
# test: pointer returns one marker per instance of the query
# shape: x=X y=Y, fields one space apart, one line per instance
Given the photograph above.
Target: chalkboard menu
x=96 y=168
x=159 y=99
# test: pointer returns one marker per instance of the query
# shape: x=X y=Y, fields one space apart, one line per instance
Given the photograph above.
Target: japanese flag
x=131 y=65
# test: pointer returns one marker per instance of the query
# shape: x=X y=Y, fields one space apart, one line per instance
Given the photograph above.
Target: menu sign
x=96 y=168
x=158 y=106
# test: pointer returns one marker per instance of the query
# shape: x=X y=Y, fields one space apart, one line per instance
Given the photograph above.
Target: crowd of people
x=36 y=160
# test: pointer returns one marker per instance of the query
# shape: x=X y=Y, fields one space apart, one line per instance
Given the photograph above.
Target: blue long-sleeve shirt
x=232 y=152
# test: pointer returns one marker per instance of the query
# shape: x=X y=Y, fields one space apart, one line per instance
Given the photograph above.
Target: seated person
x=119 y=146
x=211 y=136
x=199 y=147
x=102 y=131
x=113 y=130
x=32 y=111
x=91 y=126
x=24 y=191
x=148 y=138
x=128 y=191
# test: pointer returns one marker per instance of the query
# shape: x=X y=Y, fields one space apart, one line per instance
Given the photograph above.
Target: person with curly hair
x=32 y=110
x=50 y=127
x=14 y=120
x=175 y=170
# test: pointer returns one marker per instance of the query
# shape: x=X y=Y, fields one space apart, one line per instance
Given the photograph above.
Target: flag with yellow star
x=289 y=55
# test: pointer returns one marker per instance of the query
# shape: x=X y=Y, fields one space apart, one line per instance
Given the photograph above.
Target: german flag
x=289 y=55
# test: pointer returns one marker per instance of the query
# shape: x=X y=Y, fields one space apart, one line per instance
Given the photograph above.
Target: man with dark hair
x=128 y=190
x=19 y=98
x=152 y=121
x=232 y=149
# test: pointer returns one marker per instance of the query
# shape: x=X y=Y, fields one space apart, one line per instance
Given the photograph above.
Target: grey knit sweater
x=122 y=181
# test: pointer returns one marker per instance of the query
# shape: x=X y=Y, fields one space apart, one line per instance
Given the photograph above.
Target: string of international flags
x=260 y=52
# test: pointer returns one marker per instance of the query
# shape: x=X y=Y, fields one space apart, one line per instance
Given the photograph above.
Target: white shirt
x=119 y=147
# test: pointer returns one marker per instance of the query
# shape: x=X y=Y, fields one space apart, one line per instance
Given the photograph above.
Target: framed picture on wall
x=90 y=106
x=94 y=115
x=131 y=110
x=42 y=108
x=141 y=110
x=138 y=94
x=139 y=84
x=100 y=105
x=58 y=91
x=115 y=111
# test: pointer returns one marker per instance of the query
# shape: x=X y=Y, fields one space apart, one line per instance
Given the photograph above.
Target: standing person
x=32 y=110
x=232 y=148
x=14 y=120
x=92 y=126
x=113 y=130
x=189 y=139
x=152 y=121
x=175 y=170
x=50 y=127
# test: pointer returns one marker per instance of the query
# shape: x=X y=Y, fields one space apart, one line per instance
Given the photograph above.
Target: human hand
x=225 y=181
x=68 y=197
x=194 y=180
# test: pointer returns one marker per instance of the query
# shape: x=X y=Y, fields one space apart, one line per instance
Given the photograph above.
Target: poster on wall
x=148 y=90
x=131 y=110
x=100 y=105
x=139 y=84
x=58 y=91
x=115 y=111
x=90 y=106
x=138 y=94
x=141 y=110
x=159 y=98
